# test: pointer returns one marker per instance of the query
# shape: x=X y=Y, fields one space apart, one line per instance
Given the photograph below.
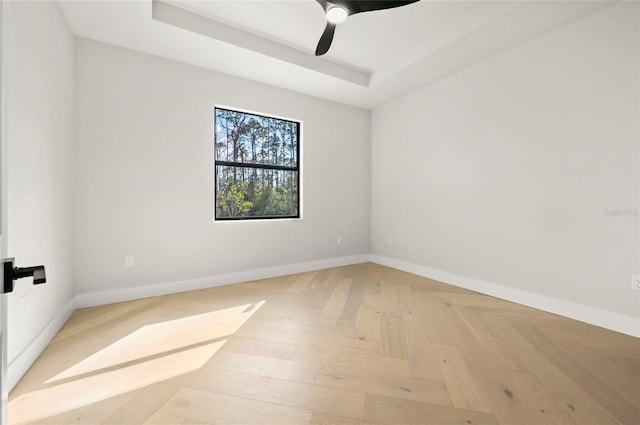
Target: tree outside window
x=257 y=170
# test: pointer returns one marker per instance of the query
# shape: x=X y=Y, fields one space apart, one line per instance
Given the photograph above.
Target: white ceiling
x=375 y=56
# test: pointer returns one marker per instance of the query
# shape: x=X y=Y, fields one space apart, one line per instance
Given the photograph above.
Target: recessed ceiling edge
x=193 y=22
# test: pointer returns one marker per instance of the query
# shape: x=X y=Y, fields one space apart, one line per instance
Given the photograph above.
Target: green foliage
x=232 y=199
x=237 y=200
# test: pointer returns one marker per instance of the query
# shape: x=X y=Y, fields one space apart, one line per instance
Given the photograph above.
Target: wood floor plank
x=282 y=392
x=393 y=339
x=582 y=408
x=143 y=406
x=541 y=401
x=162 y=419
x=347 y=345
x=462 y=389
x=315 y=339
x=597 y=339
x=495 y=386
x=352 y=305
x=388 y=410
x=390 y=301
x=320 y=289
x=368 y=323
x=301 y=282
x=423 y=361
x=260 y=347
x=356 y=379
x=335 y=305
x=94 y=413
x=493 y=341
x=353 y=360
x=621 y=409
x=206 y=407
x=436 y=326
x=87 y=319
x=322 y=418
x=615 y=380
x=404 y=294
x=282 y=329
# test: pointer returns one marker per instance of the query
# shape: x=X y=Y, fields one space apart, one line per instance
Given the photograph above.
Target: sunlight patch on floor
x=149 y=355
x=163 y=337
x=60 y=398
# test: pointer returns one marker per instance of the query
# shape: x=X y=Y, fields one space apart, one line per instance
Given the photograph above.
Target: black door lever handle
x=12 y=273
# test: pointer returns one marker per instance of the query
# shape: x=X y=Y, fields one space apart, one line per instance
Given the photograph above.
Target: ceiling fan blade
x=326 y=39
x=323 y=3
x=352 y=7
x=358 y=6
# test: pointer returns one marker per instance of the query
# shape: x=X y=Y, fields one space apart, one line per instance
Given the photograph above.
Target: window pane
x=255 y=139
x=255 y=192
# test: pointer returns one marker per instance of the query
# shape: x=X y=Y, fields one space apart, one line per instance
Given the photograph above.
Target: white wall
x=505 y=173
x=144 y=174
x=40 y=123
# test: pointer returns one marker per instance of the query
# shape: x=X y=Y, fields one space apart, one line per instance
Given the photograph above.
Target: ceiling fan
x=339 y=10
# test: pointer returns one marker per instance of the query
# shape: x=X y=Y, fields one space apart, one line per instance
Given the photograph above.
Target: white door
x=3 y=214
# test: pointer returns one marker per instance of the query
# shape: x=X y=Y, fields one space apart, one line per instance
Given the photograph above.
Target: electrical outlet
x=635 y=282
x=129 y=261
x=339 y=240
x=389 y=240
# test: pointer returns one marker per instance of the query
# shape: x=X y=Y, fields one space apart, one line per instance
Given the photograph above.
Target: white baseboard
x=127 y=294
x=23 y=361
x=628 y=325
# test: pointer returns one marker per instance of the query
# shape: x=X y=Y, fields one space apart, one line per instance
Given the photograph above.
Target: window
x=257 y=166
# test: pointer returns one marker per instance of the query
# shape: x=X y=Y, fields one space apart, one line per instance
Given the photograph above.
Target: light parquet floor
x=362 y=344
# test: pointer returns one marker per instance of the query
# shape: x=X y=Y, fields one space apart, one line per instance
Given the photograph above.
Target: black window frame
x=296 y=169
